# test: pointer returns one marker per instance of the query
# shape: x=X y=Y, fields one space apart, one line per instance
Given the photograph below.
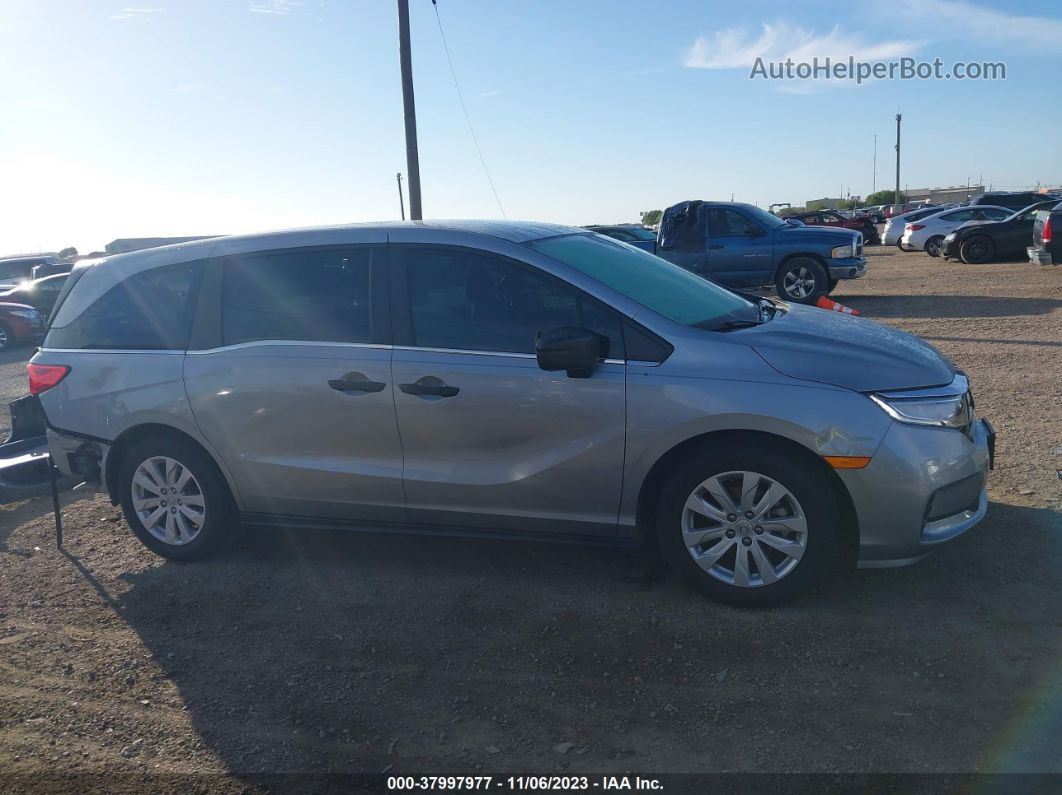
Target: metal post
x=55 y=505
x=412 y=158
x=401 y=203
x=874 y=182
x=897 y=196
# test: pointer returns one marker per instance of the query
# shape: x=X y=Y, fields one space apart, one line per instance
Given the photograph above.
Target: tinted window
x=150 y=310
x=620 y=234
x=726 y=223
x=467 y=301
x=316 y=296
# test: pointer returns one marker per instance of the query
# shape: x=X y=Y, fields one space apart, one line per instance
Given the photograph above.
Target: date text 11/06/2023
x=523 y=783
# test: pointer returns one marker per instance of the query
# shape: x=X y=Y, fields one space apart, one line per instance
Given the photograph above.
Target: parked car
x=977 y=242
x=1015 y=200
x=515 y=379
x=19 y=323
x=877 y=213
x=928 y=233
x=1046 y=248
x=637 y=236
x=833 y=218
x=739 y=245
x=894 y=226
x=15 y=270
x=40 y=293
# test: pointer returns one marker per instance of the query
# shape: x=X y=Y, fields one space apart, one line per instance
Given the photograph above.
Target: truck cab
x=742 y=246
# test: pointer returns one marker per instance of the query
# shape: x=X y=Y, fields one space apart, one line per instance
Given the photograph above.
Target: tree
x=68 y=253
x=652 y=217
x=884 y=197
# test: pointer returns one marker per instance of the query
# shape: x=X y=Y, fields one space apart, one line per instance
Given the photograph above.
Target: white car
x=894 y=226
x=928 y=233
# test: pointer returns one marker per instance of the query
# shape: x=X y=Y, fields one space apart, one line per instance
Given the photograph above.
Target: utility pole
x=412 y=157
x=897 y=196
x=874 y=181
x=401 y=204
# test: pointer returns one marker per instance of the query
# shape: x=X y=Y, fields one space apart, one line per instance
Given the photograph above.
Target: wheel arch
x=810 y=255
x=130 y=436
x=649 y=492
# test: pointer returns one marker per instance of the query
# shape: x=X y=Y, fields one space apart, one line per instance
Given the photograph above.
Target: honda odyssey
x=520 y=380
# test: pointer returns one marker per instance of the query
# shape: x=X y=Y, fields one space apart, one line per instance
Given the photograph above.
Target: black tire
x=932 y=246
x=221 y=522
x=977 y=249
x=7 y=338
x=831 y=285
x=779 y=463
x=803 y=269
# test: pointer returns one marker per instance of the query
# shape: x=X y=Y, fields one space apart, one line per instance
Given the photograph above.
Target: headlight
x=942 y=412
x=841 y=252
x=30 y=314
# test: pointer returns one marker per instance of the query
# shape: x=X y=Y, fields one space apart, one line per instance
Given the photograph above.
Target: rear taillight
x=916 y=227
x=1046 y=234
x=43 y=377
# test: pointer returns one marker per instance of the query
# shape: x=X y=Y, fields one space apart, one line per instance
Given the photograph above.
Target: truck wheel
x=831 y=285
x=801 y=280
x=933 y=245
x=175 y=500
x=977 y=249
x=748 y=525
x=6 y=337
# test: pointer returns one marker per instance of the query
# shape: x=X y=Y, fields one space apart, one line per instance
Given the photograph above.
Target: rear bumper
x=849 y=268
x=923 y=487
x=24 y=455
x=1038 y=255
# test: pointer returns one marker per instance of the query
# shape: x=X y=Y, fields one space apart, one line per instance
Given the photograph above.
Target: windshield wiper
x=731 y=325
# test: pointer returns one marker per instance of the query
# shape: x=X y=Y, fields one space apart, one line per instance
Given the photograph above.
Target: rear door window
x=148 y=311
x=315 y=295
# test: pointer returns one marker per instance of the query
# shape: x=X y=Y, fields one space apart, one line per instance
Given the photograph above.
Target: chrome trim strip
x=289 y=343
x=111 y=350
x=465 y=352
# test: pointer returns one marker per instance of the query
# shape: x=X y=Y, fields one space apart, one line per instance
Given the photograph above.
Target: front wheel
x=801 y=280
x=750 y=527
x=933 y=245
x=6 y=337
x=175 y=499
x=977 y=249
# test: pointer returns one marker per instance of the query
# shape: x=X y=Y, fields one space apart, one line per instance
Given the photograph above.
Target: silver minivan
x=520 y=380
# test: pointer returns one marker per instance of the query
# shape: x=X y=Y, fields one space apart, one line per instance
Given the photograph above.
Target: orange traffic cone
x=827 y=303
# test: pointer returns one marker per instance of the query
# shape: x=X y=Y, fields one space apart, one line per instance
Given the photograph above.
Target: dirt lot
x=340 y=652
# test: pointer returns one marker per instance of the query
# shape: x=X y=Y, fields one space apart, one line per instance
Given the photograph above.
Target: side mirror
x=576 y=350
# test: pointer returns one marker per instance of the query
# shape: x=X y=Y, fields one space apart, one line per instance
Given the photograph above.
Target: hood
x=821 y=233
x=848 y=351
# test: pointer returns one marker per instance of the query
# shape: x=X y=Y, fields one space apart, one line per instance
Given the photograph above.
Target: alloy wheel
x=744 y=529
x=4 y=339
x=799 y=282
x=168 y=500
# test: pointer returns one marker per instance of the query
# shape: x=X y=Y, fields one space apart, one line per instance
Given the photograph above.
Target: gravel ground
x=328 y=651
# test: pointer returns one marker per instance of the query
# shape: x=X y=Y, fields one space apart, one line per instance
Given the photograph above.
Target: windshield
x=642 y=232
x=667 y=289
x=762 y=217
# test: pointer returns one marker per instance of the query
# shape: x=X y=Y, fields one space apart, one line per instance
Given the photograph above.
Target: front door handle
x=427 y=386
x=356 y=382
x=715 y=245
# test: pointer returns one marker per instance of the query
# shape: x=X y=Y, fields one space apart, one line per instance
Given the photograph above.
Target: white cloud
x=735 y=48
x=957 y=18
x=274 y=6
x=136 y=13
x=487 y=94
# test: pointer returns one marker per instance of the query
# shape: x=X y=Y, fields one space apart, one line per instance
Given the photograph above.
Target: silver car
x=504 y=379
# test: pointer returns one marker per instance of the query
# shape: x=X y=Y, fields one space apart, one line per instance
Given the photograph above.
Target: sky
x=139 y=118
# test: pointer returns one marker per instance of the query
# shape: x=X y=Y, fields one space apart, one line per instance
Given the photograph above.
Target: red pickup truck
x=835 y=219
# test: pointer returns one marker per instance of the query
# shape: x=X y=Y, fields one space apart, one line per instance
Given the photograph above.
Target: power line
x=464 y=107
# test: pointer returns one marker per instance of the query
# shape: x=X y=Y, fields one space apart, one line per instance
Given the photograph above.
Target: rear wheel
x=175 y=500
x=977 y=249
x=801 y=280
x=750 y=527
x=933 y=245
x=831 y=285
x=6 y=337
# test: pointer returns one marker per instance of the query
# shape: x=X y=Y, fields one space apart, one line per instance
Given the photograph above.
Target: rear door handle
x=429 y=385
x=356 y=382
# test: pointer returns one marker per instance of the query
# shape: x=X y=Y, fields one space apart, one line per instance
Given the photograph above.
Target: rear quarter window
x=150 y=310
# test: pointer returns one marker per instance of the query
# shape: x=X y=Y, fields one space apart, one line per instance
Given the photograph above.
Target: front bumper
x=923 y=487
x=848 y=268
x=949 y=249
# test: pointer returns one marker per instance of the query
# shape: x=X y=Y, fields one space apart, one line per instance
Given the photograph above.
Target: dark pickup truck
x=1046 y=248
x=741 y=246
